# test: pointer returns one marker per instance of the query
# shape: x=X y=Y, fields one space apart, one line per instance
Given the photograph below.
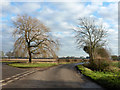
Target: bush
x=119 y=64
x=116 y=64
x=99 y=65
x=112 y=69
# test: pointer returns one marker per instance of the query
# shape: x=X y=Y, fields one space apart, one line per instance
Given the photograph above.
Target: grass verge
x=106 y=79
x=32 y=65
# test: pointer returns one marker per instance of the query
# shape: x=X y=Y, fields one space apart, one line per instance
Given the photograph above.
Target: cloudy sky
x=60 y=17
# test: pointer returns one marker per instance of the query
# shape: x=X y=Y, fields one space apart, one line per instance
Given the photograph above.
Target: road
x=62 y=76
x=8 y=71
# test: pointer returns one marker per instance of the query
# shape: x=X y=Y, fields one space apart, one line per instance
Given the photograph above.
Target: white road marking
x=1 y=81
x=16 y=78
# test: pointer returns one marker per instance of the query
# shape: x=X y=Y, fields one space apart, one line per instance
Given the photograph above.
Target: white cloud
x=7 y=39
x=81 y=1
x=110 y=12
x=61 y=16
x=20 y=8
x=30 y=7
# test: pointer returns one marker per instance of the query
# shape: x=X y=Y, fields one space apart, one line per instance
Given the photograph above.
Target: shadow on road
x=49 y=84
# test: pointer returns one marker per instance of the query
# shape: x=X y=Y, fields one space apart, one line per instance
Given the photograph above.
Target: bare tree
x=33 y=38
x=91 y=34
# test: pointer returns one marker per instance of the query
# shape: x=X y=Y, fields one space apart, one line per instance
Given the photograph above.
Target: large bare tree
x=33 y=38
x=90 y=33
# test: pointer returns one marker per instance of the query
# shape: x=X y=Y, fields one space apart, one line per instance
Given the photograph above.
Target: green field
x=32 y=65
x=106 y=79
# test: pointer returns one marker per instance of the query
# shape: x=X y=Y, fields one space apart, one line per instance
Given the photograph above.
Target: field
x=34 y=60
x=37 y=63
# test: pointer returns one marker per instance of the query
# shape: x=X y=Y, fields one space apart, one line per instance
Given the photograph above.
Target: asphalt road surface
x=62 y=76
x=8 y=71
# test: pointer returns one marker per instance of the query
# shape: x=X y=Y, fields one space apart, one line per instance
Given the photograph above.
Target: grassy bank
x=32 y=65
x=106 y=79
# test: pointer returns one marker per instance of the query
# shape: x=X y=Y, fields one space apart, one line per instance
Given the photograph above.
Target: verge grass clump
x=106 y=79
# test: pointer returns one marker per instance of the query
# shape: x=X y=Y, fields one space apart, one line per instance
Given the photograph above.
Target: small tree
x=33 y=38
x=91 y=34
x=100 y=52
x=2 y=54
x=103 y=53
x=9 y=54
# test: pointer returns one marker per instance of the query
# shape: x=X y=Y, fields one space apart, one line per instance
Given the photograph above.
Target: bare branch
x=90 y=34
x=32 y=38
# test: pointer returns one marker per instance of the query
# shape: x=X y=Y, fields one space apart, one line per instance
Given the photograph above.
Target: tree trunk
x=91 y=57
x=29 y=52
x=30 y=57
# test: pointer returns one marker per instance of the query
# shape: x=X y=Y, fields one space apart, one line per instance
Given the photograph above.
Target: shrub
x=116 y=64
x=119 y=64
x=99 y=64
x=112 y=69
